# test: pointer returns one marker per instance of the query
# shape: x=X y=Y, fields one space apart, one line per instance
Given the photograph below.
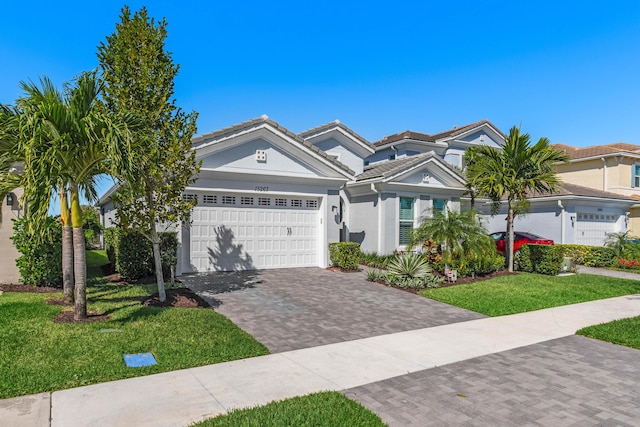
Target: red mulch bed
x=340 y=270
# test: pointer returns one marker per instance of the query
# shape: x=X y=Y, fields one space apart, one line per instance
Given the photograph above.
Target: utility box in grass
x=567 y=266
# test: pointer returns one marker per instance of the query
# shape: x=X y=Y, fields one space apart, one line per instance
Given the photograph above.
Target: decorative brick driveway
x=289 y=309
x=571 y=381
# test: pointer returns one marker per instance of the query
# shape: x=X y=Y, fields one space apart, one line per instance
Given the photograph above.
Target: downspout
x=380 y=222
x=604 y=173
x=562 y=218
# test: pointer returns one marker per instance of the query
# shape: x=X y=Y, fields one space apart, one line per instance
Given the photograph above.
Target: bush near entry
x=541 y=259
x=131 y=253
x=345 y=255
x=41 y=260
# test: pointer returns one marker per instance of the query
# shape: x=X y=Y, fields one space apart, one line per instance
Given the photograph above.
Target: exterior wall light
x=10 y=199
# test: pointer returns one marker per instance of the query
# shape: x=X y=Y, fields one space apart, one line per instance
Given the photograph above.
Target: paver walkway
x=289 y=309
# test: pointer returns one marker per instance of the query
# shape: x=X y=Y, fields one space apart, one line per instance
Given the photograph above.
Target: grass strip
x=325 y=409
x=527 y=292
x=622 y=332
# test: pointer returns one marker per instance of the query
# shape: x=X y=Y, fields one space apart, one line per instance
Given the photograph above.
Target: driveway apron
x=290 y=309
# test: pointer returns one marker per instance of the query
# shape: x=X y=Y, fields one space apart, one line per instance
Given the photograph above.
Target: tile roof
x=389 y=168
x=433 y=137
x=598 y=150
x=336 y=123
x=580 y=191
x=201 y=140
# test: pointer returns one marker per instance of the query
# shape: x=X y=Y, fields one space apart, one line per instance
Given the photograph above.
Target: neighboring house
x=574 y=214
x=270 y=198
x=614 y=168
x=10 y=210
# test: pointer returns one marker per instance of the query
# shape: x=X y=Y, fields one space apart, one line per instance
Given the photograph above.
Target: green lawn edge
x=524 y=292
x=38 y=355
x=323 y=409
x=622 y=332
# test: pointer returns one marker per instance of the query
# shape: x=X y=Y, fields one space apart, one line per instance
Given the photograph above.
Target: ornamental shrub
x=41 y=260
x=110 y=243
x=543 y=259
x=409 y=266
x=345 y=255
x=627 y=264
x=589 y=256
x=133 y=255
x=523 y=259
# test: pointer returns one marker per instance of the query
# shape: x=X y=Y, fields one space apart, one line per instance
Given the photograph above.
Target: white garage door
x=592 y=229
x=235 y=232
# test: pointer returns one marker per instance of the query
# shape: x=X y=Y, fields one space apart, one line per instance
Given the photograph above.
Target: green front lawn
x=528 y=292
x=314 y=410
x=39 y=355
x=623 y=332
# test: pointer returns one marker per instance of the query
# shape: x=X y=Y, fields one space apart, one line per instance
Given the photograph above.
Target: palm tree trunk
x=67 y=248
x=510 y=216
x=79 y=257
x=157 y=260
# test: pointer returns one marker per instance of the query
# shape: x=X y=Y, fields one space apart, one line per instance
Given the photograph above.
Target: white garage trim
x=248 y=231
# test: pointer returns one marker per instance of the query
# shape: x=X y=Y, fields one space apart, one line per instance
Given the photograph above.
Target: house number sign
x=261 y=188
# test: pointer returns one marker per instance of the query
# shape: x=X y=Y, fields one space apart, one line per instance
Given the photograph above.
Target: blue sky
x=567 y=70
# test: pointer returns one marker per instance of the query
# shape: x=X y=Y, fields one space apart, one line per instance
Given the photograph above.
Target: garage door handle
x=288 y=231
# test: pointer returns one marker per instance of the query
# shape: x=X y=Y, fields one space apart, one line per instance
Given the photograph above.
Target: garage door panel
x=593 y=229
x=276 y=235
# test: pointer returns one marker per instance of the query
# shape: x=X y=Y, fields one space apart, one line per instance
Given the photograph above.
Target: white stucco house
x=271 y=198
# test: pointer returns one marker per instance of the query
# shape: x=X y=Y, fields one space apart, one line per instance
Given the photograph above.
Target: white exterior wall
x=344 y=155
x=8 y=269
x=362 y=224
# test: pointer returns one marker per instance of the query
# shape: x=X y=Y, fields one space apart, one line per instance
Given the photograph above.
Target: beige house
x=614 y=168
x=8 y=253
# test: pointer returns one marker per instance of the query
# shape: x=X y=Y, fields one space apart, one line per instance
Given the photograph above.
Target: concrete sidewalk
x=182 y=397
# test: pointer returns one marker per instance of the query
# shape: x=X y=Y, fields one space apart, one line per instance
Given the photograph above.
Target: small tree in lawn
x=139 y=77
x=512 y=172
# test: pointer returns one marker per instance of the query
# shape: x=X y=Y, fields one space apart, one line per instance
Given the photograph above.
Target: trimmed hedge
x=589 y=256
x=41 y=260
x=131 y=253
x=345 y=255
x=541 y=259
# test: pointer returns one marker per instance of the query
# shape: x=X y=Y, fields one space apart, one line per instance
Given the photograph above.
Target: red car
x=519 y=239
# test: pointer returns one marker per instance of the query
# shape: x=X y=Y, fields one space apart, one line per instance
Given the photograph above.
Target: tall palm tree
x=460 y=234
x=512 y=172
x=71 y=140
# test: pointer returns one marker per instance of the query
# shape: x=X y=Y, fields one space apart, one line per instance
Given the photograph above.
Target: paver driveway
x=571 y=381
x=289 y=309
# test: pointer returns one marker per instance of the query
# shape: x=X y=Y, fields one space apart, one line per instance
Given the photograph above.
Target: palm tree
x=509 y=173
x=460 y=234
x=70 y=140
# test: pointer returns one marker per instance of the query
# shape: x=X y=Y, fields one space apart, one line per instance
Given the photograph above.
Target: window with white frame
x=440 y=205
x=635 y=176
x=406 y=219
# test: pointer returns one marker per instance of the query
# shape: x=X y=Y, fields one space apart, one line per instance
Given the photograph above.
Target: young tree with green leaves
x=512 y=172
x=139 y=77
